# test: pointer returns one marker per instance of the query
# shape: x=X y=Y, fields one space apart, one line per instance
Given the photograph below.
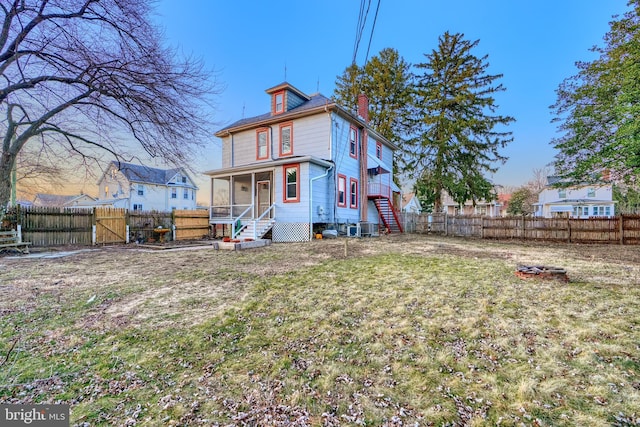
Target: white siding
x=311 y=136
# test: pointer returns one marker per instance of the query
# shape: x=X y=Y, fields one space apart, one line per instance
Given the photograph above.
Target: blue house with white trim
x=306 y=165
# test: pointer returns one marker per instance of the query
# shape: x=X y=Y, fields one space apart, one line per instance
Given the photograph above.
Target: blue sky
x=533 y=43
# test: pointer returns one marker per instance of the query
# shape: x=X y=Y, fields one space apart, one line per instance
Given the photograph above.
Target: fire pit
x=541 y=272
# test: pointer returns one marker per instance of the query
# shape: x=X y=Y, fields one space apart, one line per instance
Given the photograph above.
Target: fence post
x=446 y=224
x=19 y=230
x=524 y=227
x=621 y=228
x=569 y=228
x=93 y=234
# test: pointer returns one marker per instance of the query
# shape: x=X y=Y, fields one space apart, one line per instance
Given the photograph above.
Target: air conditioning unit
x=353 y=230
x=366 y=229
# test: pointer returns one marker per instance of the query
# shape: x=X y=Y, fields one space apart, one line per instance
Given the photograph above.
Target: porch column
x=255 y=212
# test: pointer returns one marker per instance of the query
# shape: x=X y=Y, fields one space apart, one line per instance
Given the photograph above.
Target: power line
x=373 y=27
x=362 y=21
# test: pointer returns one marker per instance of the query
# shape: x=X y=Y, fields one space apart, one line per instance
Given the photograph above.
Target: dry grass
x=403 y=330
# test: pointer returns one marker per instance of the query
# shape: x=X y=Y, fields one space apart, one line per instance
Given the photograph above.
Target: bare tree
x=539 y=180
x=89 y=77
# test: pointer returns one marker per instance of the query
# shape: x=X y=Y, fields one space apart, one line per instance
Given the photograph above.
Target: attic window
x=184 y=179
x=278 y=102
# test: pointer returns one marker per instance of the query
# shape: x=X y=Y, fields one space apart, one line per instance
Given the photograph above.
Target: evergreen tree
x=386 y=80
x=599 y=108
x=457 y=131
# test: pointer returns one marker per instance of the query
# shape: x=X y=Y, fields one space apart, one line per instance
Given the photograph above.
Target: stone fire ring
x=541 y=272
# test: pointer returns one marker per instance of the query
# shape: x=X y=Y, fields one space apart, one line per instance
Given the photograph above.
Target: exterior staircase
x=388 y=214
x=256 y=229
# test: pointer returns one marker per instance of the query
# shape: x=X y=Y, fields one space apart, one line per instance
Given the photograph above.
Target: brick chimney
x=363 y=107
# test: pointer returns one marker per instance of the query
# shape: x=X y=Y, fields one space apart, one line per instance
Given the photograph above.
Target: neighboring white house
x=492 y=208
x=137 y=187
x=410 y=203
x=578 y=201
x=58 y=200
x=306 y=165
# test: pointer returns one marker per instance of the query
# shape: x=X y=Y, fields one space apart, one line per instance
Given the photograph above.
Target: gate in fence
x=111 y=225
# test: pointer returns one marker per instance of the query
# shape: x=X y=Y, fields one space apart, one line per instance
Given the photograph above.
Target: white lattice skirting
x=290 y=232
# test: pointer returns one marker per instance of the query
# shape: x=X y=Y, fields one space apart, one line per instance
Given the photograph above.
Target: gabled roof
x=43 y=199
x=314 y=102
x=146 y=174
x=289 y=87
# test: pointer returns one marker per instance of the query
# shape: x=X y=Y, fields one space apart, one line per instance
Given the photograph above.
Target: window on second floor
x=562 y=193
x=286 y=139
x=262 y=144
x=140 y=190
x=342 y=191
x=185 y=194
x=106 y=191
x=379 y=150
x=353 y=142
x=174 y=193
x=591 y=192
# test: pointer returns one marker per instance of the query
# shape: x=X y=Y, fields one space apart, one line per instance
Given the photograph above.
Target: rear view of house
x=304 y=166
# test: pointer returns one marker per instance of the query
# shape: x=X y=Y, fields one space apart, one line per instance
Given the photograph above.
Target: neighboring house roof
x=406 y=198
x=43 y=199
x=579 y=201
x=146 y=174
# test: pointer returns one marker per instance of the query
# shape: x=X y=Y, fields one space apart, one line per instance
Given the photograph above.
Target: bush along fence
x=622 y=229
x=46 y=226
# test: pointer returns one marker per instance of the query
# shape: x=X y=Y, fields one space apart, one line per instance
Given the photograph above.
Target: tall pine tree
x=458 y=133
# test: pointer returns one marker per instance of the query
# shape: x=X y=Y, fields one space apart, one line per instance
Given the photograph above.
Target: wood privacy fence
x=46 y=226
x=622 y=229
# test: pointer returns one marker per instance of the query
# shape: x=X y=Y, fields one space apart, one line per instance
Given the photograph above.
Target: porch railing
x=377 y=189
x=237 y=223
x=266 y=213
x=228 y=213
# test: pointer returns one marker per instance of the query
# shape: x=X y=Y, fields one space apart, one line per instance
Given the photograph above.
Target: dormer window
x=278 y=102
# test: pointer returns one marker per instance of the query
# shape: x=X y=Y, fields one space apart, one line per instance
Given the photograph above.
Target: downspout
x=324 y=175
x=311 y=181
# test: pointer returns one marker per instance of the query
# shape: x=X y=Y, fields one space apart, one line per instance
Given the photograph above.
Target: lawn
x=405 y=330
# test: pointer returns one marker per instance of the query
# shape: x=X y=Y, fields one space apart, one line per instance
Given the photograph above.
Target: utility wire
x=373 y=27
x=362 y=21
